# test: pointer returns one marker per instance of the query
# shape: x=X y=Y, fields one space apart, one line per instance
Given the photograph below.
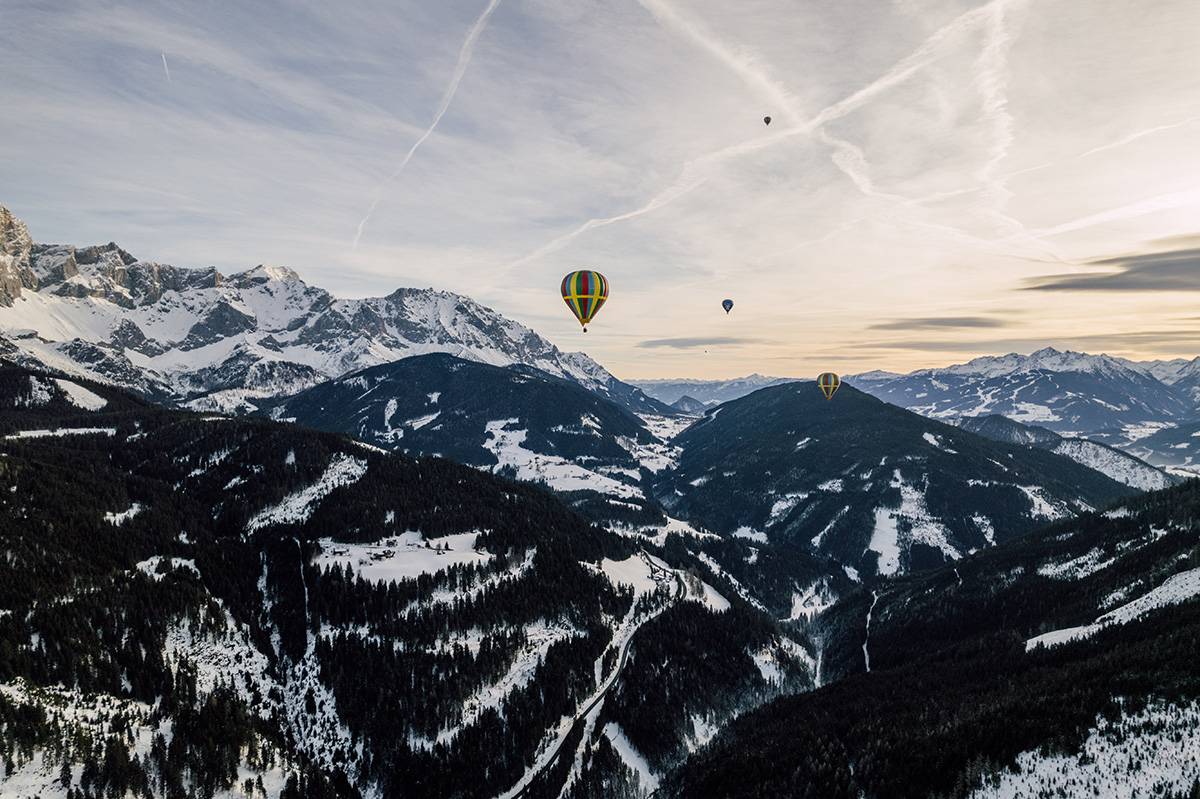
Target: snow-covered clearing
x=633 y=572
x=708 y=561
x=153 y=567
x=812 y=601
x=1042 y=507
x=65 y=431
x=986 y=527
x=295 y=508
x=79 y=396
x=1180 y=588
x=1077 y=568
x=556 y=472
x=750 y=534
x=403 y=557
x=937 y=442
x=1118 y=465
x=120 y=518
x=1152 y=753
x=783 y=506
x=632 y=757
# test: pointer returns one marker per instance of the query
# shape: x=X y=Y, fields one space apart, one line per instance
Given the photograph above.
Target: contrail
x=1132 y=137
x=165 y=69
x=1163 y=202
x=460 y=69
x=689 y=180
x=992 y=80
x=745 y=65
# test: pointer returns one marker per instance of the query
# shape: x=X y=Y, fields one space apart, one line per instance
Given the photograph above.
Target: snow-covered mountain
x=708 y=392
x=1068 y=392
x=513 y=420
x=879 y=489
x=1115 y=463
x=214 y=342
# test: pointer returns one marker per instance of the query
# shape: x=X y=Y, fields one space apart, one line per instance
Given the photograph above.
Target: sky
x=940 y=179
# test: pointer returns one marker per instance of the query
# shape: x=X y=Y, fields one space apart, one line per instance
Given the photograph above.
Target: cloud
x=939 y=322
x=460 y=69
x=697 y=171
x=686 y=343
x=1163 y=341
x=1168 y=270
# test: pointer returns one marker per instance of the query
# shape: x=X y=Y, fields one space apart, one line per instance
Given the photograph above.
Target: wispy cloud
x=696 y=172
x=686 y=343
x=460 y=69
x=940 y=322
x=165 y=68
x=1169 y=270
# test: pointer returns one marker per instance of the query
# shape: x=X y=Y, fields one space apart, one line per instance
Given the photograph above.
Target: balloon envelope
x=766 y=120
x=829 y=383
x=727 y=305
x=584 y=292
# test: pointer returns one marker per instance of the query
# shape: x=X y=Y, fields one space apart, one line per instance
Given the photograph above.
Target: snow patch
x=295 y=508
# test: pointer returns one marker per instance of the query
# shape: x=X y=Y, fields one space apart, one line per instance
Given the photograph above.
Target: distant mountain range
x=217 y=342
x=1111 y=400
x=706 y=392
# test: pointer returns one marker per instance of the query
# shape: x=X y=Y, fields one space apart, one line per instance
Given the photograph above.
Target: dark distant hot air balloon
x=727 y=305
x=584 y=292
x=766 y=120
x=829 y=383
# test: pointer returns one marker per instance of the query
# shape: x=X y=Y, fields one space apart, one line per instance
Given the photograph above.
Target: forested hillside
x=1060 y=664
x=197 y=604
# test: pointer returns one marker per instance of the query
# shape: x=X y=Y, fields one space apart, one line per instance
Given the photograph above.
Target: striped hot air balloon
x=829 y=383
x=584 y=292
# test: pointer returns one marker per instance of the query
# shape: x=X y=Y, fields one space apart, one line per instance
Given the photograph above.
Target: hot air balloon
x=766 y=120
x=584 y=292
x=829 y=383
x=727 y=305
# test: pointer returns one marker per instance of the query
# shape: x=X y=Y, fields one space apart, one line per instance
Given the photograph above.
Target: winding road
x=550 y=756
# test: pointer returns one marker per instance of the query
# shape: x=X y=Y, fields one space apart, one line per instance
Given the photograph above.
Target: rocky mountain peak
x=264 y=273
x=15 y=247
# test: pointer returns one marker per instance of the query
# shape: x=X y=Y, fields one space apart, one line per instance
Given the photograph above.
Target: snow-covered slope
x=1067 y=392
x=874 y=487
x=215 y=341
x=1117 y=464
x=1120 y=466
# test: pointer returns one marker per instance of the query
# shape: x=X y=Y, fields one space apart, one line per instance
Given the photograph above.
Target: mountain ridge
x=215 y=342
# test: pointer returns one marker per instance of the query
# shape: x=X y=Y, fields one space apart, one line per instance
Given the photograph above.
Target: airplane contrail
x=689 y=180
x=1132 y=137
x=745 y=65
x=165 y=69
x=460 y=69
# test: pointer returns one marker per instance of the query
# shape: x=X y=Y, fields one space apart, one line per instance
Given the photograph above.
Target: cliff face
x=15 y=246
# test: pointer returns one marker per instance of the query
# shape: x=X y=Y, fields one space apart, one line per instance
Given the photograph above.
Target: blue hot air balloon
x=727 y=305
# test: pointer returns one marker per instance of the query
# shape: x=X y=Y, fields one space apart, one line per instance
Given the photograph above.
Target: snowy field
x=558 y=473
x=1181 y=587
x=295 y=508
x=402 y=557
x=1153 y=753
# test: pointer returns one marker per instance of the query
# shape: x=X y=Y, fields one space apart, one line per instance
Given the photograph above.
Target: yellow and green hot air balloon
x=829 y=383
x=584 y=292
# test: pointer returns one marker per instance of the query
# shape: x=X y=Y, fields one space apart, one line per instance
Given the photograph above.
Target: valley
x=236 y=533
